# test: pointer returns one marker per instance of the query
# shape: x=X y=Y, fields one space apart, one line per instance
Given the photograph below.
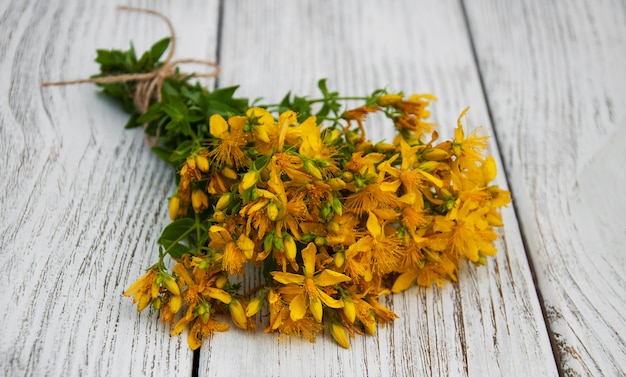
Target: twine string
x=149 y=84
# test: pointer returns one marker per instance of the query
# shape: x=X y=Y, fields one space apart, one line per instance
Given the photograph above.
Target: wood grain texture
x=83 y=200
x=555 y=80
x=490 y=323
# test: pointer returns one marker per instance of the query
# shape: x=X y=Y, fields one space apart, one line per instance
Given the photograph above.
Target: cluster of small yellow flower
x=333 y=220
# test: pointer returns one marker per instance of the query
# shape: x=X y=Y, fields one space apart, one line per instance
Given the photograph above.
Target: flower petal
x=330 y=277
x=329 y=301
x=405 y=281
x=287 y=277
x=297 y=307
x=217 y=125
x=308 y=256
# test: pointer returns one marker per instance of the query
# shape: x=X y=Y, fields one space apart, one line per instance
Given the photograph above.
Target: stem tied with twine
x=148 y=84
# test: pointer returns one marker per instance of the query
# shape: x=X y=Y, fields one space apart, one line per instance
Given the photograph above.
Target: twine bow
x=148 y=84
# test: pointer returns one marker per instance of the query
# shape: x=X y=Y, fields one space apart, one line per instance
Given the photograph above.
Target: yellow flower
x=310 y=292
x=144 y=290
x=230 y=141
x=200 y=330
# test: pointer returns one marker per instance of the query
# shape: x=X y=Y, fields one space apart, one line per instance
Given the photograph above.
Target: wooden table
x=83 y=200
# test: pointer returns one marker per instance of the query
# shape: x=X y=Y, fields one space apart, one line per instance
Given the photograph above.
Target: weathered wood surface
x=83 y=200
x=555 y=81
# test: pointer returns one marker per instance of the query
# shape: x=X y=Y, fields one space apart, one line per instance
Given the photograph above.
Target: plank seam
x=551 y=337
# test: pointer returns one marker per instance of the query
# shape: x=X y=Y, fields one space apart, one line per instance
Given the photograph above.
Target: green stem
x=316 y=100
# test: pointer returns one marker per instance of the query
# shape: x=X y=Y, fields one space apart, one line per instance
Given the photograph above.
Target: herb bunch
x=295 y=193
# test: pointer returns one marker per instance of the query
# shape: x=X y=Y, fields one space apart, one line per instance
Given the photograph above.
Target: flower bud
x=312 y=169
x=156 y=303
x=339 y=259
x=144 y=300
x=337 y=207
x=349 y=310
x=385 y=147
x=428 y=165
x=320 y=241
x=175 y=303
x=174 y=206
x=336 y=184
x=246 y=245
x=389 y=99
x=333 y=227
x=347 y=176
x=339 y=334
x=170 y=284
x=290 y=247
x=238 y=314
x=223 y=202
x=272 y=211
x=202 y=163
x=315 y=306
x=199 y=201
x=261 y=134
x=221 y=281
x=219 y=216
x=435 y=154
x=229 y=173
x=249 y=179
x=254 y=306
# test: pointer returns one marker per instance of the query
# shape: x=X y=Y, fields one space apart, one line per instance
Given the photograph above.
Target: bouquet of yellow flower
x=294 y=192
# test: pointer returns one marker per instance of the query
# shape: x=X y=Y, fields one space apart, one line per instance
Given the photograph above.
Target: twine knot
x=148 y=84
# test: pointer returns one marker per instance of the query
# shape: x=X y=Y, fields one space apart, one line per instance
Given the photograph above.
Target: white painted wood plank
x=490 y=323
x=83 y=200
x=556 y=84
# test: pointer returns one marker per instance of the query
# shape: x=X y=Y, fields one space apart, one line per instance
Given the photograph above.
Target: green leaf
x=322 y=85
x=177 y=228
x=163 y=153
x=132 y=121
x=154 y=112
x=261 y=162
x=159 y=48
x=174 y=233
x=175 y=250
